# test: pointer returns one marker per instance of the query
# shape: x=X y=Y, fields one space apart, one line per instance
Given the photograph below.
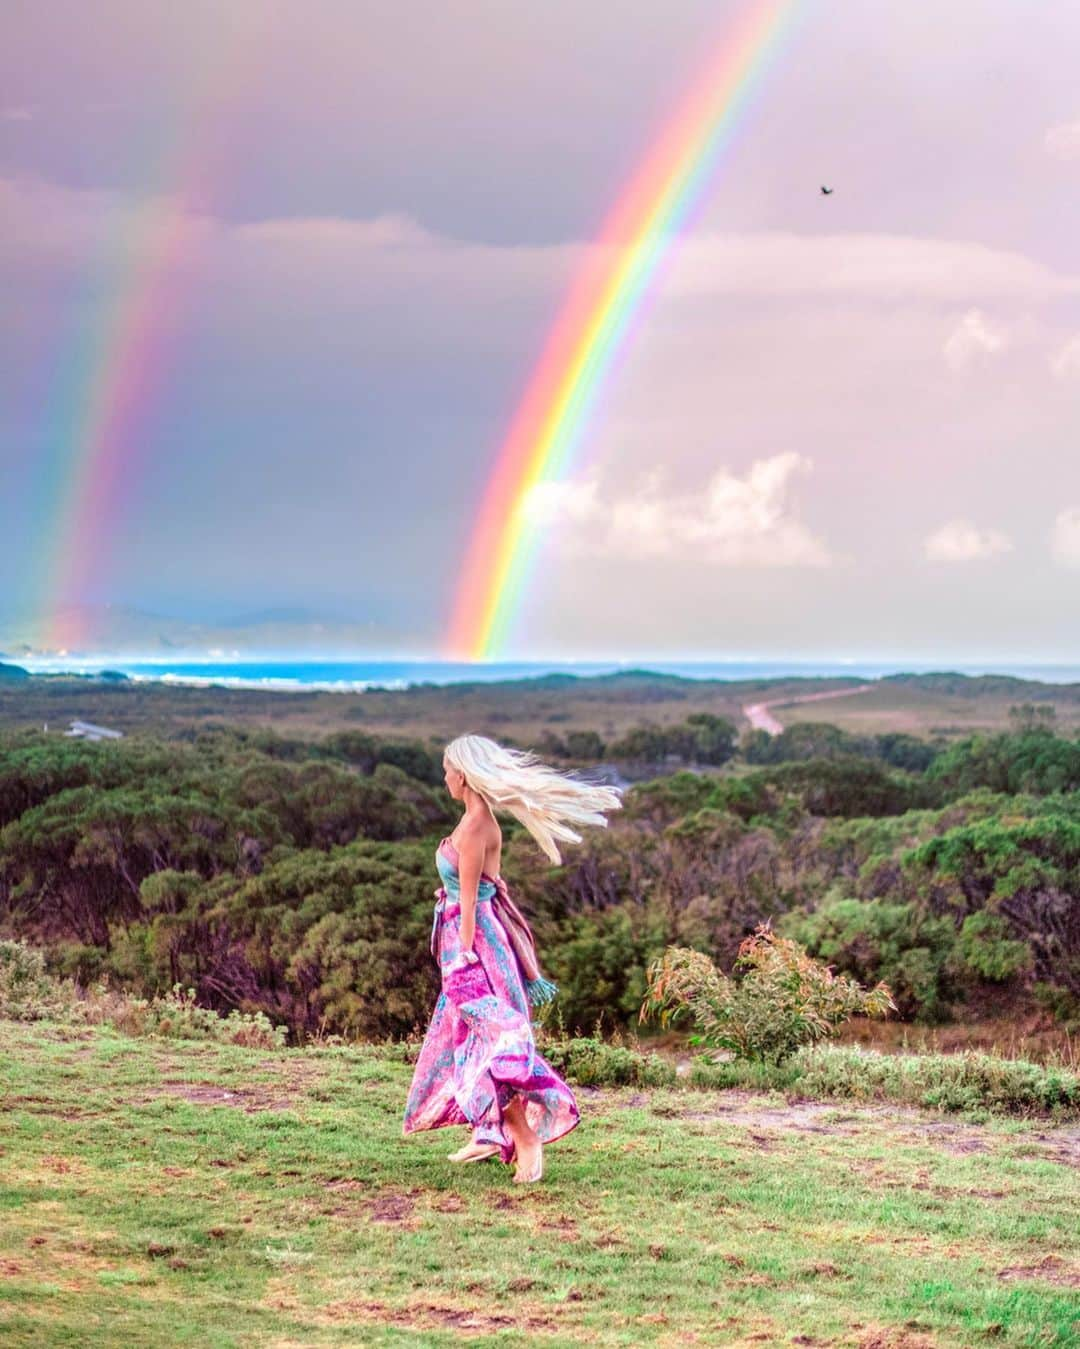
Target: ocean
x=353 y=676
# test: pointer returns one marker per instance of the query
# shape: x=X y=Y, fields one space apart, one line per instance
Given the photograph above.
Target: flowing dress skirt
x=479 y=1052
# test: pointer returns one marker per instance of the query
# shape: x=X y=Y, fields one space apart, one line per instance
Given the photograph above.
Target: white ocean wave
x=271 y=683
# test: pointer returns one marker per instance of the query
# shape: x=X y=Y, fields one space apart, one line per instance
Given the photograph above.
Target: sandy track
x=762 y=719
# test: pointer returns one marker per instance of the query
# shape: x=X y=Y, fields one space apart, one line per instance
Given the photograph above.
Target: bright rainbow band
x=595 y=324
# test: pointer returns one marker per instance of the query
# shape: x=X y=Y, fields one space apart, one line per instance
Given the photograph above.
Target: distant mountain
x=13 y=672
x=118 y=630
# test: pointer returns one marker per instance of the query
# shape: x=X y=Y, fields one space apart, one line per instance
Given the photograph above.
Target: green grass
x=183 y=1193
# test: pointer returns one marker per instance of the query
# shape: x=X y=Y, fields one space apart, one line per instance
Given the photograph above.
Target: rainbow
x=113 y=366
x=595 y=322
x=111 y=384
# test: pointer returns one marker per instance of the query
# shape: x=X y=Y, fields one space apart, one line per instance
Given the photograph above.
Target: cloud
x=1066 y=363
x=873 y=267
x=971 y=340
x=1063 y=142
x=961 y=541
x=736 y=521
x=1065 y=537
x=331 y=232
x=17 y=113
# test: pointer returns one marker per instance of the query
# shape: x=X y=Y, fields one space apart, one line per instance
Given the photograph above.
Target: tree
x=1027 y=871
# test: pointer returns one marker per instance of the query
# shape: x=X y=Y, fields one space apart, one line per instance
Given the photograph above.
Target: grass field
x=928 y=713
x=167 y=1193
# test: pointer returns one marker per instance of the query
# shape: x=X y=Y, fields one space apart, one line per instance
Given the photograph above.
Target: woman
x=478 y=1064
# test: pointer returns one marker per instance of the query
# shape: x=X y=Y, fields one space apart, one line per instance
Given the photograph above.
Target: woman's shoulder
x=478 y=832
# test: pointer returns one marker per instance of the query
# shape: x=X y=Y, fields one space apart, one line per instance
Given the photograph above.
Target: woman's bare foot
x=528 y=1149
x=474 y=1151
x=530 y=1167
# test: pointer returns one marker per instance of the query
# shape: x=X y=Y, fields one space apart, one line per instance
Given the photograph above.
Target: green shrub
x=702 y=738
x=599 y=962
x=710 y=1074
x=1062 y=1005
x=784 y=1000
x=985 y=948
x=1031 y=760
x=27 y=991
x=177 y=1016
x=968 y=1081
x=874 y=939
x=590 y=1062
x=926 y=960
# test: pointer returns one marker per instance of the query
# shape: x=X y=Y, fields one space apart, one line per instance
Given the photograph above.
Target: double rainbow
x=594 y=325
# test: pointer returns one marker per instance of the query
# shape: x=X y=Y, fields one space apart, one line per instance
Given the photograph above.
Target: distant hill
x=13 y=672
x=979 y=686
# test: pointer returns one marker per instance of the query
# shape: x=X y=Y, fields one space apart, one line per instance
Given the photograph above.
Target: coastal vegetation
x=292 y=877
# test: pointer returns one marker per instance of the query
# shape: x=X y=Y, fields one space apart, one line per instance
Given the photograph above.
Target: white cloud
x=961 y=541
x=738 y=521
x=1063 y=142
x=971 y=340
x=1066 y=363
x=869 y=268
x=322 y=232
x=1065 y=538
x=872 y=267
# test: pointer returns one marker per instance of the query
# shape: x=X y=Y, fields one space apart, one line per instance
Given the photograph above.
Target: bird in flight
x=826 y=191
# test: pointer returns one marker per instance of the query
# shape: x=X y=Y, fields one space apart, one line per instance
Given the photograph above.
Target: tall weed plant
x=783 y=999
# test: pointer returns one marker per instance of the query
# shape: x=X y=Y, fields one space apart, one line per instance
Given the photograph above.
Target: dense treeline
x=702 y=738
x=295 y=876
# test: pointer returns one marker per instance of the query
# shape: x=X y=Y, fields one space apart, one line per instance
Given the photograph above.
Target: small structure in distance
x=86 y=730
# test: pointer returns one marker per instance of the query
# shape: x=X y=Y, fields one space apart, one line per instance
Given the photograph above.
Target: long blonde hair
x=545 y=801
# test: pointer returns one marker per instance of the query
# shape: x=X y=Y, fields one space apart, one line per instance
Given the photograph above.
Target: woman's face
x=455 y=780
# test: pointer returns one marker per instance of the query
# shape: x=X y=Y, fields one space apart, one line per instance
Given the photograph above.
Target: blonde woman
x=478 y=1065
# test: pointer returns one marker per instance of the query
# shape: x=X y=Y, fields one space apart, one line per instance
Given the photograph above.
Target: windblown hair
x=548 y=803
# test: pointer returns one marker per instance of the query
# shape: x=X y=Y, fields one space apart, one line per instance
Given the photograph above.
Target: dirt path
x=762 y=719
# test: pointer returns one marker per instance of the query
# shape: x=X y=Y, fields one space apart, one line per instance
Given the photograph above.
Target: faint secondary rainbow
x=114 y=374
x=595 y=323
x=126 y=320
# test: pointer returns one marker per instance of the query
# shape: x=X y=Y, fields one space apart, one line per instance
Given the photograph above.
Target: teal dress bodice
x=448 y=874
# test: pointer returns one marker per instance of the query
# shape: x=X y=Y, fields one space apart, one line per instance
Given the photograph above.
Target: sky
x=318 y=247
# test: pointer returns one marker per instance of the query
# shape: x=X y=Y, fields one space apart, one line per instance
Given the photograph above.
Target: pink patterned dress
x=479 y=1052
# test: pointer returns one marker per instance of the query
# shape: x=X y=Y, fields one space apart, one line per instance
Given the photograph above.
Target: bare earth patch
x=393 y=1206
x=435 y=1316
x=206 y=1093
x=421 y=1315
x=1051 y=1269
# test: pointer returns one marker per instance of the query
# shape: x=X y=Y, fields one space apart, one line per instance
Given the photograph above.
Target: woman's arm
x=470 y=865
